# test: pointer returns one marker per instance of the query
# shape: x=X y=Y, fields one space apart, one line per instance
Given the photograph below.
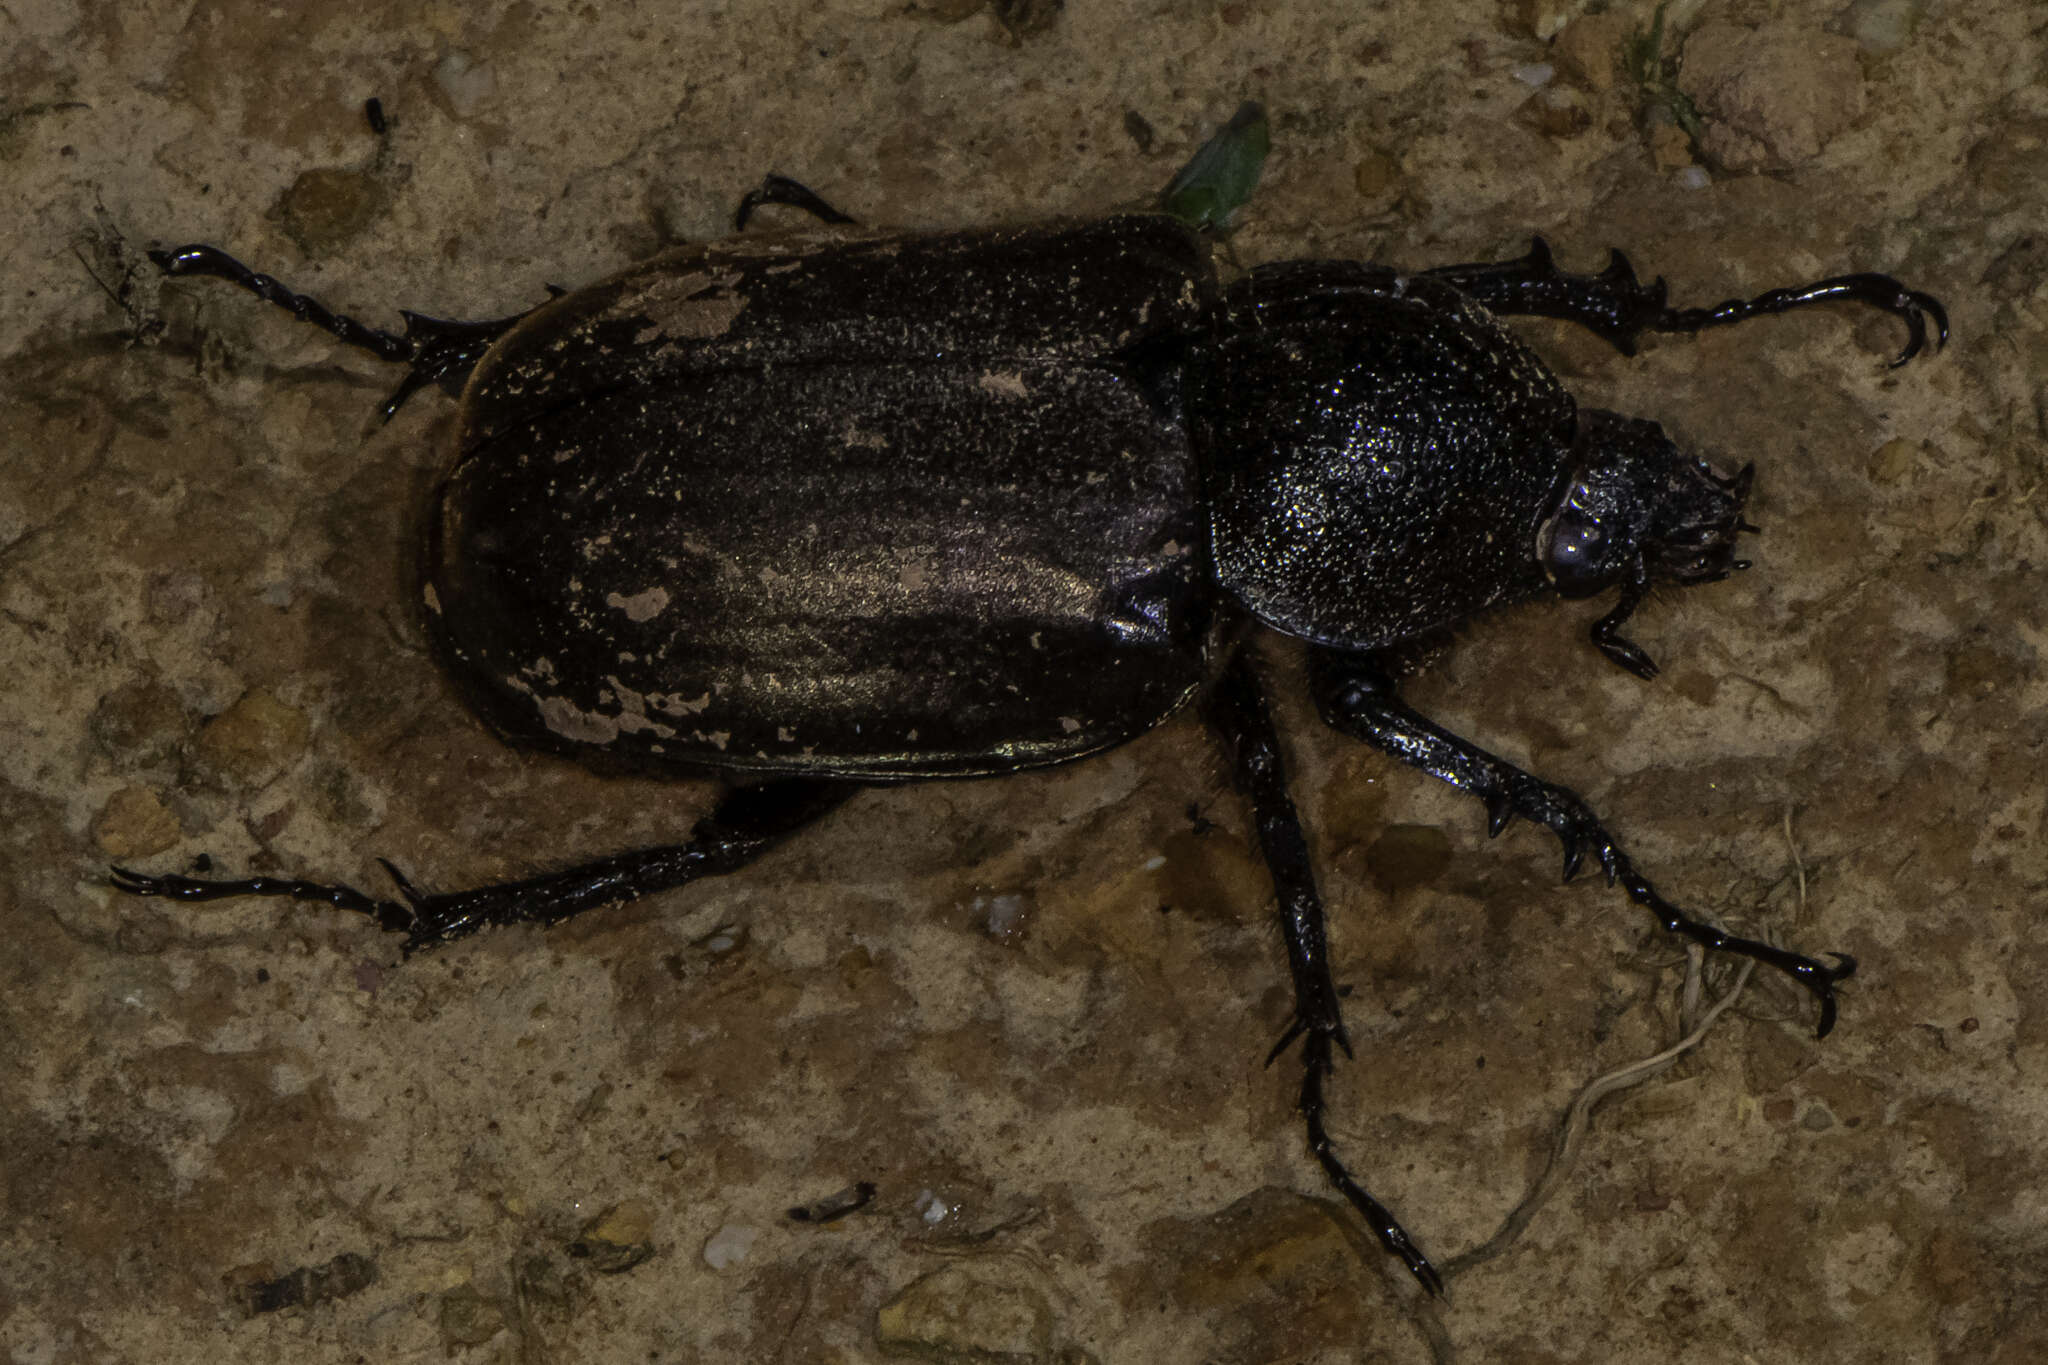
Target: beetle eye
x=1573 y=551
x=1577 y=545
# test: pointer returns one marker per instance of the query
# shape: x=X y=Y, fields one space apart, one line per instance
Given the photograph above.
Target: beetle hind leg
x=1240 y=712
x=746 y=823
x=1355 y=694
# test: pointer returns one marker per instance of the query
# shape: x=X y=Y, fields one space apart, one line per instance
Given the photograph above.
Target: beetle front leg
x=1239 y=710
x=1355 y=694
x=746 y=823
x=1618 y=307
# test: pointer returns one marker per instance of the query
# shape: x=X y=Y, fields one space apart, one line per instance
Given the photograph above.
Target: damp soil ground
x=1032 y=1013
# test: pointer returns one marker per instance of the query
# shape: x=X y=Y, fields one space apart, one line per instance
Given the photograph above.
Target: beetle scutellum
x=826 y=515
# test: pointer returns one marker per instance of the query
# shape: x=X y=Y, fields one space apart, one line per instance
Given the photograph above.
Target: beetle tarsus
x=172 y=886
x=199 y=259
x=1317 y=1064
x=1622 y=651
x=1617 y=306
x=780 y=189
x=438 y=350
x=1910 y=306
x=1356 y=695
x=1817 y=977
x=1606 y=635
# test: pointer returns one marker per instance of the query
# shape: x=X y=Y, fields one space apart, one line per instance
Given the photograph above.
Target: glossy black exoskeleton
x=821 y=514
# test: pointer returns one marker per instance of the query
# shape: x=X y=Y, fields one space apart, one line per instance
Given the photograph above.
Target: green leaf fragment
x=1219 y=179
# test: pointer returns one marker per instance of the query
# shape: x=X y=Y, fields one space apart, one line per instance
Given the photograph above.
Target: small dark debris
x=1140 y=131
x=833 y=1207
x=373 y=113
x=309 y=1285
x=1026 y=18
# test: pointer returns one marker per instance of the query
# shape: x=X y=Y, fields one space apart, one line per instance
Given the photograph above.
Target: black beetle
x=827 y=513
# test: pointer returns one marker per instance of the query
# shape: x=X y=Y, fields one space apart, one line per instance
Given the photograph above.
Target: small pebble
x=466 y=84
x=729 y=1245
x=933 y=1209
x=134 y=824
x=1001 y=916
x=618 y=1239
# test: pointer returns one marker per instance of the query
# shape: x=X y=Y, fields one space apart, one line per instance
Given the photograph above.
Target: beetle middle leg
x=1618 y=307
x=746 y=822
x=1355 y=694
x=1239 y=710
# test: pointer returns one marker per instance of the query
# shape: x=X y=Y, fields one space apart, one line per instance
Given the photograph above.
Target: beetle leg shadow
x=1355 y=694
x=1238 y=708
x=746 y=822
x=1618 y=307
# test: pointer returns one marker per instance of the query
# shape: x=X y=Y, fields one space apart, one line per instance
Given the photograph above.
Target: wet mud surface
x=1032 y=1012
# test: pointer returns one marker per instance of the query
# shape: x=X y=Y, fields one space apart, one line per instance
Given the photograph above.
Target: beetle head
x=1635 y=508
